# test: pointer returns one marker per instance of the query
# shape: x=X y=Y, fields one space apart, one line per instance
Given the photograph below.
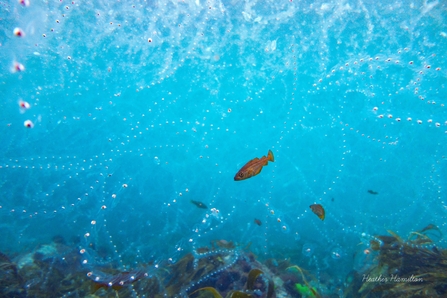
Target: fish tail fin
x=270 y=156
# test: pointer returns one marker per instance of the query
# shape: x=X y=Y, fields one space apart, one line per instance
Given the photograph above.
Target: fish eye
x=241 y=174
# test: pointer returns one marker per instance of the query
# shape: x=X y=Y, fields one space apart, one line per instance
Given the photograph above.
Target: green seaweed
x=297 y=268
x=304 y=290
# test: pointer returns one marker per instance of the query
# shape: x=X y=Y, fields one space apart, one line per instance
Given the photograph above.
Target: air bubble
x=337 y=253
x=17 y=67
x=24 y=2
x=28 y=123
x=19 y=32
x=308 y=249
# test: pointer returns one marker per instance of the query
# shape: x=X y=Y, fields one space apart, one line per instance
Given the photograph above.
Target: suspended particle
x=113 y=196
x=17 y=67
x=89 y=274
x=375 y=108
x=278 y=219
x=438 y=68
x=19 y=32
x=149 y=40
x=409 y=119
x=82 y=251
x=103 y=207
x=390 y=116
x=93 y=222
x=411 y=62
x=25 y=3
x=125 y=185
x=398 y=119
x=44 y=35
x=69 y=57
x=28 y=123
x=229 y=110
x=419 y=121
x=87 y=235
x=438 y=124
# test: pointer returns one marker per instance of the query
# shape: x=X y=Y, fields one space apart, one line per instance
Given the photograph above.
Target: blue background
x=144 y=127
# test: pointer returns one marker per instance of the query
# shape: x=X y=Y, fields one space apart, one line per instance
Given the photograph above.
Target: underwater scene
x=223 y=148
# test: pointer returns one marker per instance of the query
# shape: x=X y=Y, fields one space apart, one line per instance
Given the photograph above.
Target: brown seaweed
x=411 y=268
x=252 y=276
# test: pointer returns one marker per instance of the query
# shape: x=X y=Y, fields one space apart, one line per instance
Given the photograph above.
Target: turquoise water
x=139 y=108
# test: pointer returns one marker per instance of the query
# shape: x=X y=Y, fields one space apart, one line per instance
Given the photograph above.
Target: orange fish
x=318 y=210
x=253 y=167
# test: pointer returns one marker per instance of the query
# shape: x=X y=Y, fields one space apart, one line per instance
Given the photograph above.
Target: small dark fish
x=430 y=227
x=258 y=222
x=372 y=192
x=318 y=210
x=253 y=167
x=199 y=204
